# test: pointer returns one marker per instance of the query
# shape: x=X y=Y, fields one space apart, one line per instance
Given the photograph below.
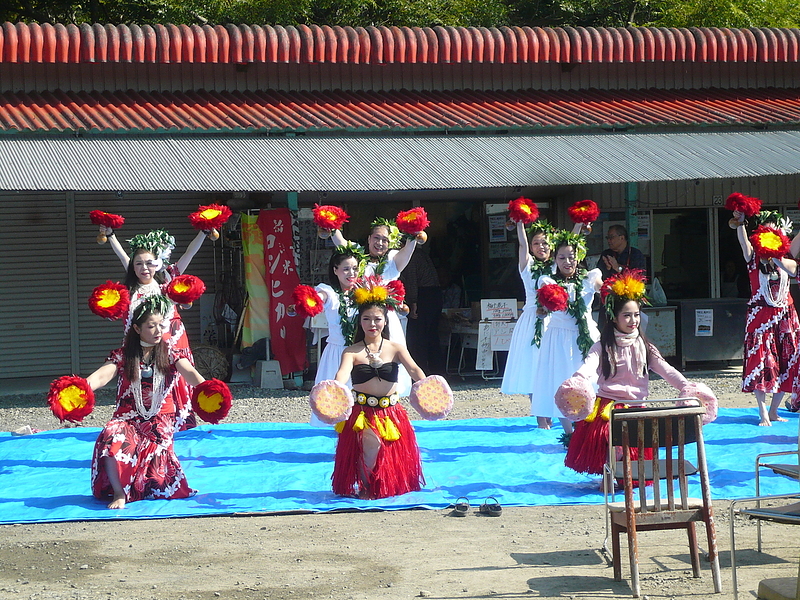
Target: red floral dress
x=770 y=341
x=142 y=446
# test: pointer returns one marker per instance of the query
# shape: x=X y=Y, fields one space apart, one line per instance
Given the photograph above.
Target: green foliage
x=732 y=13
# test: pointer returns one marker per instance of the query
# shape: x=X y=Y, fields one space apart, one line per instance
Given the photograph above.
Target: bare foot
x=763 y=423
x=777 y=418
x=544 y=422
x=117 y=503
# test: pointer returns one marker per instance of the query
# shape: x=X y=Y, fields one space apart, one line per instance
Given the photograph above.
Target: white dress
x=332 y=354
x=396 y=331
x=559 y=355
x=520 y=372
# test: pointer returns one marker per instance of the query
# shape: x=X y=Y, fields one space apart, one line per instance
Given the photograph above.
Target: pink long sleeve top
x=628 y=384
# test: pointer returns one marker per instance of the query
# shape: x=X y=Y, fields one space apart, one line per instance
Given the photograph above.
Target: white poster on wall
x=704 y=322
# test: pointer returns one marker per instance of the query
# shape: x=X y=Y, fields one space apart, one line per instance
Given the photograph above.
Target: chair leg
x=713 y=555
x=633 y=553
x=694 y=552
x=616 y=559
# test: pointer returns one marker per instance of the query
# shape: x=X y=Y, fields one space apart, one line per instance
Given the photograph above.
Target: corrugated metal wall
x=37 y=77
x=46 y=327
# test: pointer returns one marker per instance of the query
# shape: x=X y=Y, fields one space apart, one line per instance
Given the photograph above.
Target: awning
x=220 y=164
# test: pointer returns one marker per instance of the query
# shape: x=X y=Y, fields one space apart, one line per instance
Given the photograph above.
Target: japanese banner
x=288 y=338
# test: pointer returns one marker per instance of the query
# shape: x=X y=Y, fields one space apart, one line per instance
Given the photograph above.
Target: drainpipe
x=631 y=209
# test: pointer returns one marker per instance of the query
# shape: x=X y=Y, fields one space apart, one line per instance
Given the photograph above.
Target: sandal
x=460 y=508
x=491 y=509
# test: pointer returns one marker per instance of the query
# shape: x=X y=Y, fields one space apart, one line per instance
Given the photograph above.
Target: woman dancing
x=340 y=313
x=134 y=458
x=770 y=342
x=570 y=332
x=377 y=454
x=620 y=362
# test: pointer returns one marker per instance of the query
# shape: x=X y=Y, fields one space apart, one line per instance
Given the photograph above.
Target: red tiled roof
x=23 y=43
x=338 y=112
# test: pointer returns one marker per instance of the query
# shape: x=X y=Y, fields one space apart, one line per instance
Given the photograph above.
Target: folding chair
x=671 y=428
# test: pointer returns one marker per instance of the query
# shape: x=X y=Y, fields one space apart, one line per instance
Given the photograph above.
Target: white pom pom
x=575 y=398
x=708 y=399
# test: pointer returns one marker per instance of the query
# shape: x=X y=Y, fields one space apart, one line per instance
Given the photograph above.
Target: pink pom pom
x=331 y=401
x=432 y=397
x=575 y=398
x=706 y=396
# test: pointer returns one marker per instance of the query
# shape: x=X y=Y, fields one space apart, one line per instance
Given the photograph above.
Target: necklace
x=156 y=395
x=374 y=357
x=146 y=366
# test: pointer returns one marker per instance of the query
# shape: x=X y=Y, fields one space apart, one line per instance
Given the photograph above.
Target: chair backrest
x=654 y=428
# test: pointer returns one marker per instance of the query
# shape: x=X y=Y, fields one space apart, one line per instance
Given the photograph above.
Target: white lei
x=156 y=397
x=766 y=289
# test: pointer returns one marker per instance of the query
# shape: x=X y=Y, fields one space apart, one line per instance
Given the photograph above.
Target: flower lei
x=577 y=310
x=346 y=322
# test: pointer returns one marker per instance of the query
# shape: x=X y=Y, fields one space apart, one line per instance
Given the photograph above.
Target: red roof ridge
x=239 y=44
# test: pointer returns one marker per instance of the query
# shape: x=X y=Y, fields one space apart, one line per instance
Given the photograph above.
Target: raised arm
x=744 y=242
x=194 y=246
x=524 y=249
x=338 y=238
x=404 y=254
x=190 y=374
x=795 y=247
x=117 y=248
x=102 y=376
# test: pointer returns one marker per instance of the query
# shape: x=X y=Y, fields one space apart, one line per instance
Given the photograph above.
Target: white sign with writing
x=704 y=322
x=484 y=357
x=503 y=309
x=501 y=334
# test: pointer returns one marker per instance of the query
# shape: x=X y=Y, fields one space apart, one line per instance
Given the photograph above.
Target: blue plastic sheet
x=280 y=467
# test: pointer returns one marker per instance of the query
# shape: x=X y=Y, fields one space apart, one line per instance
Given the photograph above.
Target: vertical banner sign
x=256 y=313
x=288 y=339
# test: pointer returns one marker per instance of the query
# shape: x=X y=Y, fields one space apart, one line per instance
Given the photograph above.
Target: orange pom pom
x=70 y=398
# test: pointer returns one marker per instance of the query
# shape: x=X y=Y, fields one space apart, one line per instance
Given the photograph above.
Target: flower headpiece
x=523 y=210
x=541 y=226
x=769 y=242
x=157 y=304
x=372 y=290
x=352 y=249
x=394 y=232
x=584 y=211
x=158 y=242
x=766 y=217
x=562 y=237
x=627 y=285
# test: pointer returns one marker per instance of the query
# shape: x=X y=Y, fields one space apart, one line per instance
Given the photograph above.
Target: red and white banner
x=287 y=336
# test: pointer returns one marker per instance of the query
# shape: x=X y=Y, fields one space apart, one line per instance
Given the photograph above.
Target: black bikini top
x=362 y=373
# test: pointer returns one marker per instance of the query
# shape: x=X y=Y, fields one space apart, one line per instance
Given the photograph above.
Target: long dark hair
x=359 y=336
x=336 y=259
x=608 y=342
x=132 y=349
x=131 y=280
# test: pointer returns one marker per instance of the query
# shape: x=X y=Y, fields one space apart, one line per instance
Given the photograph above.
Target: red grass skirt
x=398 y=468
x=588 y=446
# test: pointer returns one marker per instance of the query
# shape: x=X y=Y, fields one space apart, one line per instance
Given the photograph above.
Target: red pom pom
x=70 y=398
x=185 y=289
x=105 y=219
x=328 y=216
x=212 y=400
x=110 y=301
x=747 y=205
x=397 y=288
x=212 y=216
x=584 y=211
x=307 y=301
x=412 y=221
x=769 y=242
x=553 y=297
x=523 y=210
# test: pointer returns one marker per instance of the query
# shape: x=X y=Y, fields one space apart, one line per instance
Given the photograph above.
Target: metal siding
x=34 y=286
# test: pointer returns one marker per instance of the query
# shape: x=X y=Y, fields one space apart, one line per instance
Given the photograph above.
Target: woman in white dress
x=570 y=333
x=340 y=313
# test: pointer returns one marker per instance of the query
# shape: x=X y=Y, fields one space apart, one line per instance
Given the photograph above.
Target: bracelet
x=111 y=234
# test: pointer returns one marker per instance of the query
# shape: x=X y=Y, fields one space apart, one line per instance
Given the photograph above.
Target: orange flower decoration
x=584 y=211
x=328 y=216
x=70 y=398
x=412 y=221
x=553 y=297
x=213 y=216
x=307 y=301
x=769 y=242
x=98 y=217
x=110 y=301
x=185 y=289
x=523 y=210
x=212 y=400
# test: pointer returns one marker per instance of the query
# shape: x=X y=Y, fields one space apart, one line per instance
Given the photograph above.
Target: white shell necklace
x=156 y=396
x=374 y=357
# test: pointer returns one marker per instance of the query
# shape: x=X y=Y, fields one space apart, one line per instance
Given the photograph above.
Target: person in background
x=424 y=300
x=620 y=254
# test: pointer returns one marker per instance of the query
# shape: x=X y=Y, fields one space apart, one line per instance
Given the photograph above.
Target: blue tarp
x=277 y=467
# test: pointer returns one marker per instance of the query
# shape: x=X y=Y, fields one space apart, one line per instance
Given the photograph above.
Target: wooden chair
x=667 y=431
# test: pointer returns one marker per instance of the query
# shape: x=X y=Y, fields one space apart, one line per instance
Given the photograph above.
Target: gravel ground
x=474 y=398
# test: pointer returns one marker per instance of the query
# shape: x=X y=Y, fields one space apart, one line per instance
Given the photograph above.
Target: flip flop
x=491 y=509
x=460 y=508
